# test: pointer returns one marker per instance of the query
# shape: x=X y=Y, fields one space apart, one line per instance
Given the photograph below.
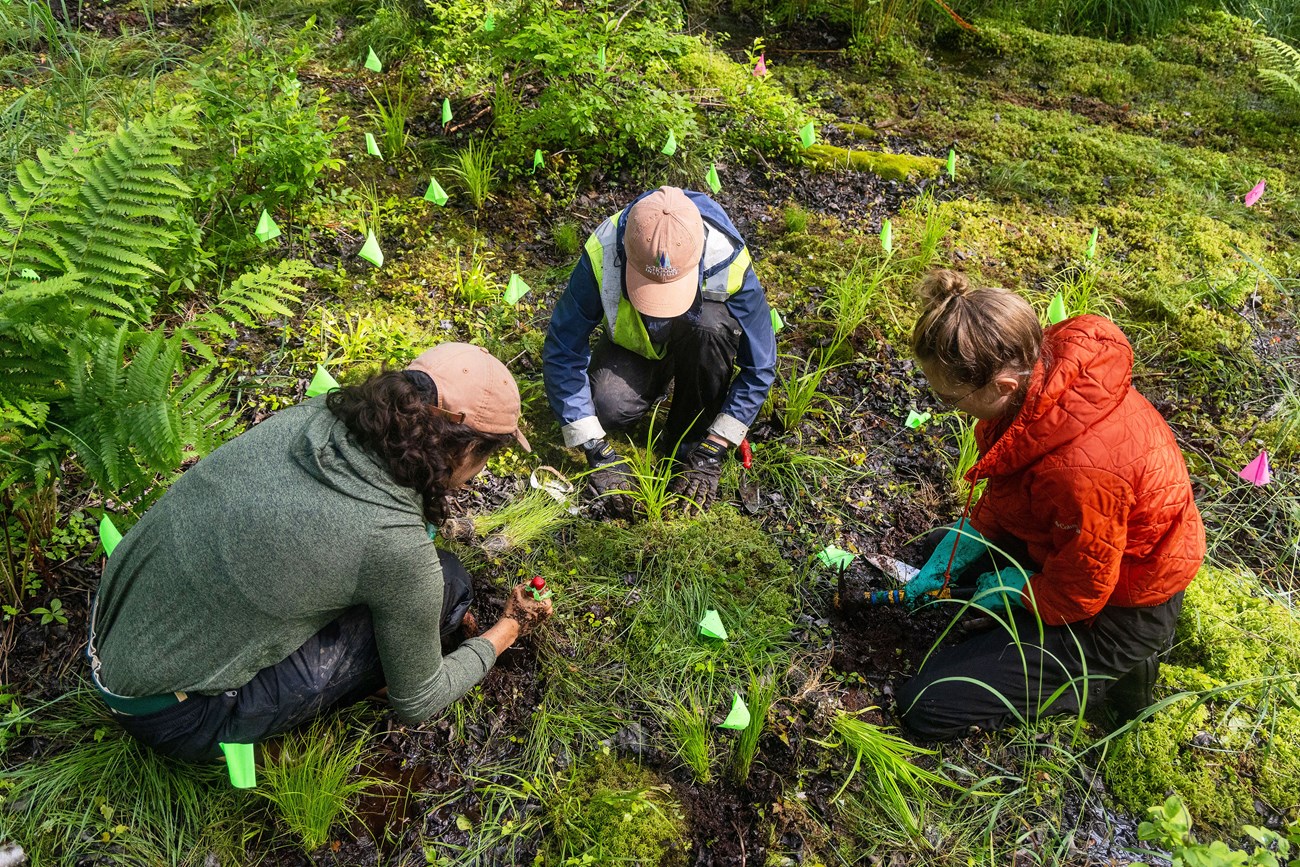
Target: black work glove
x=609 y=473
x=701 y=468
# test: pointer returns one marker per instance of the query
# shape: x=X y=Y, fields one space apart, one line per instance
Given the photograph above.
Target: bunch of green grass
x=94 y=792
x=310 y=781
x=476 y=167
x=474 y=283
x=567 y=237
x=900 y=788
x=762 y=692
x=797 y=473
x=799 y=390
x=850 y=301
x=967 y=452
x=688 y=727
x=1080 y=289
x=524 y=520
x=651 y=492
x=391 y=114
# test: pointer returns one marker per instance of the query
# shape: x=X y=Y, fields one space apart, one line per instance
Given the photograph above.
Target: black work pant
x=337 y=666
x=698 y=361
x=991 y=681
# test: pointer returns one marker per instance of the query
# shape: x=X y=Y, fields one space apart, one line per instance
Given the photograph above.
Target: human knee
x=617 y=405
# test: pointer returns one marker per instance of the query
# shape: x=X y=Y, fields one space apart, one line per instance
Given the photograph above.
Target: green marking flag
x=370 y=251
x=321 y=383
x=711 y=625
x=777 y=322
x=836 y=558
x=670 y=146
x=436 y=193
x=109 y=535
x=738 y=719
x=446 y=111
x=372 y=146
x=266 y=229
x=808 y=135
x=29 y=274
x=712 y=178
x=916 y=419
x=887 y=235
x=240 y=765
x=516 y=289
x=600 y=57
x=489 y=24
x=372 y=62
x=1056 y=310
x=1091 y=251
x=952 y=164
x=538 y=160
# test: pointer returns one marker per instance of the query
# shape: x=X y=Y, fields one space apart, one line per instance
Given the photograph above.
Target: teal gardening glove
x=1002 y=587
x=970 y=547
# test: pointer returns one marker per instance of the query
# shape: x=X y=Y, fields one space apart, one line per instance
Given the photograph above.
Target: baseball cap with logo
x=474 y=388
x=663 y=243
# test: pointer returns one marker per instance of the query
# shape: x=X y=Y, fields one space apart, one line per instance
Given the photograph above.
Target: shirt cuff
x=584 y=429
x=730 y=429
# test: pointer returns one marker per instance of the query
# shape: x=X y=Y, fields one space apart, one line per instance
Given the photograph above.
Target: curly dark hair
x=392 y=414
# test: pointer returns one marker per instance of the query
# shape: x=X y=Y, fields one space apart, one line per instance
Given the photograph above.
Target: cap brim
x=522 y=440
x=662 y=300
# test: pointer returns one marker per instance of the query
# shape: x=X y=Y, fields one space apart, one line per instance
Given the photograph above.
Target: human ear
x=1006 y=384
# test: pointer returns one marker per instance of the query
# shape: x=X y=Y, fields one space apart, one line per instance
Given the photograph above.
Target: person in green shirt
x=292 y=569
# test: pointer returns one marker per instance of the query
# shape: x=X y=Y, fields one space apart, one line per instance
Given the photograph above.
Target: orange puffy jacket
x=1088 y=476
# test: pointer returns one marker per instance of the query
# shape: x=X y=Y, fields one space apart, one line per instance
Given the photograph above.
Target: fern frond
x=1279 y=67
x=252 y=296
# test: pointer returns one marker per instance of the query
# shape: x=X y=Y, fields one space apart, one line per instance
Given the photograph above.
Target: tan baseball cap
x=474 y=385
x=663 y=241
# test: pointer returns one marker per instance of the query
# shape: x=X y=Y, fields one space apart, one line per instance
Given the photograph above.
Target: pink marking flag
x=760 y=68
x=1256 y=472
x=1255 y=192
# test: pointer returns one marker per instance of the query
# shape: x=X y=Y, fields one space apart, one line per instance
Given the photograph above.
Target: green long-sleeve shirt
x=262 y=544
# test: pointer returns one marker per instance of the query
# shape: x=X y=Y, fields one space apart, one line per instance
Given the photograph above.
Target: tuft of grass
x=799 y=388
x=521 y=521
x=688 y=727
x=899 y=787
x=762 y=692
x=850 y=300
x=310 y=780
x=568 y=238
x=795 y=219
x=391 y=114
x=476 y=167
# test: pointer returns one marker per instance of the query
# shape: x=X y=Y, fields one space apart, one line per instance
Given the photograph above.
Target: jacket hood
x=1083 y=376
x=326 y=451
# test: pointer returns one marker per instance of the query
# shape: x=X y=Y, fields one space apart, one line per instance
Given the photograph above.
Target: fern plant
x=1279 y=68
x=81 y=367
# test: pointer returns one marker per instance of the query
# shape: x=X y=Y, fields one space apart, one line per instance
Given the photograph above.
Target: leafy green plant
x=476 y=167
x=799 y=387
x=568 y=238
x=1080 y=289
x=474 y=284
x=310 y=781
x=1279 y=68
x=52 y=614
x=849 y=301
x=1170 y=827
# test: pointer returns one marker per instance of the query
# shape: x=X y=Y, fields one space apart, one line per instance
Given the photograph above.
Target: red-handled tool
x=538 y=588
x=748 y=491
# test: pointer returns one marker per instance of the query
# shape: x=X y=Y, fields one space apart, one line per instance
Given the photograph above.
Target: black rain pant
x=698 y=361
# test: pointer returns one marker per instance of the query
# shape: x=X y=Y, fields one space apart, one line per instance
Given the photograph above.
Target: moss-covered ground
x=596 y=742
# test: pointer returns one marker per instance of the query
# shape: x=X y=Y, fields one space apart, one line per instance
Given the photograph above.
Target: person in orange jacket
x=1086 y=533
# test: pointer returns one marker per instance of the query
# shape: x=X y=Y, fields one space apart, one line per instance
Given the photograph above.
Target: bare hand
x=528 y=612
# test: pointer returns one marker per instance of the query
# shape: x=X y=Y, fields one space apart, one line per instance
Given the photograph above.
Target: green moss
x=893 y=167
x=612 y=812
x=1235 y=742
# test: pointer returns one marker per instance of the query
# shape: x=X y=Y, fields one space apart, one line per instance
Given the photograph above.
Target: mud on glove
x=970 y=547
x=609 y=473
x=1005 y=584
x=701 y=469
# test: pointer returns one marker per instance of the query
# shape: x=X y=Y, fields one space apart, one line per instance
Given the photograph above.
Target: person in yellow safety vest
x=671 y=279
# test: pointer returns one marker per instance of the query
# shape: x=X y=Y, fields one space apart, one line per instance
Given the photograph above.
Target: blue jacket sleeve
x=756 y=359
x=567 y=352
